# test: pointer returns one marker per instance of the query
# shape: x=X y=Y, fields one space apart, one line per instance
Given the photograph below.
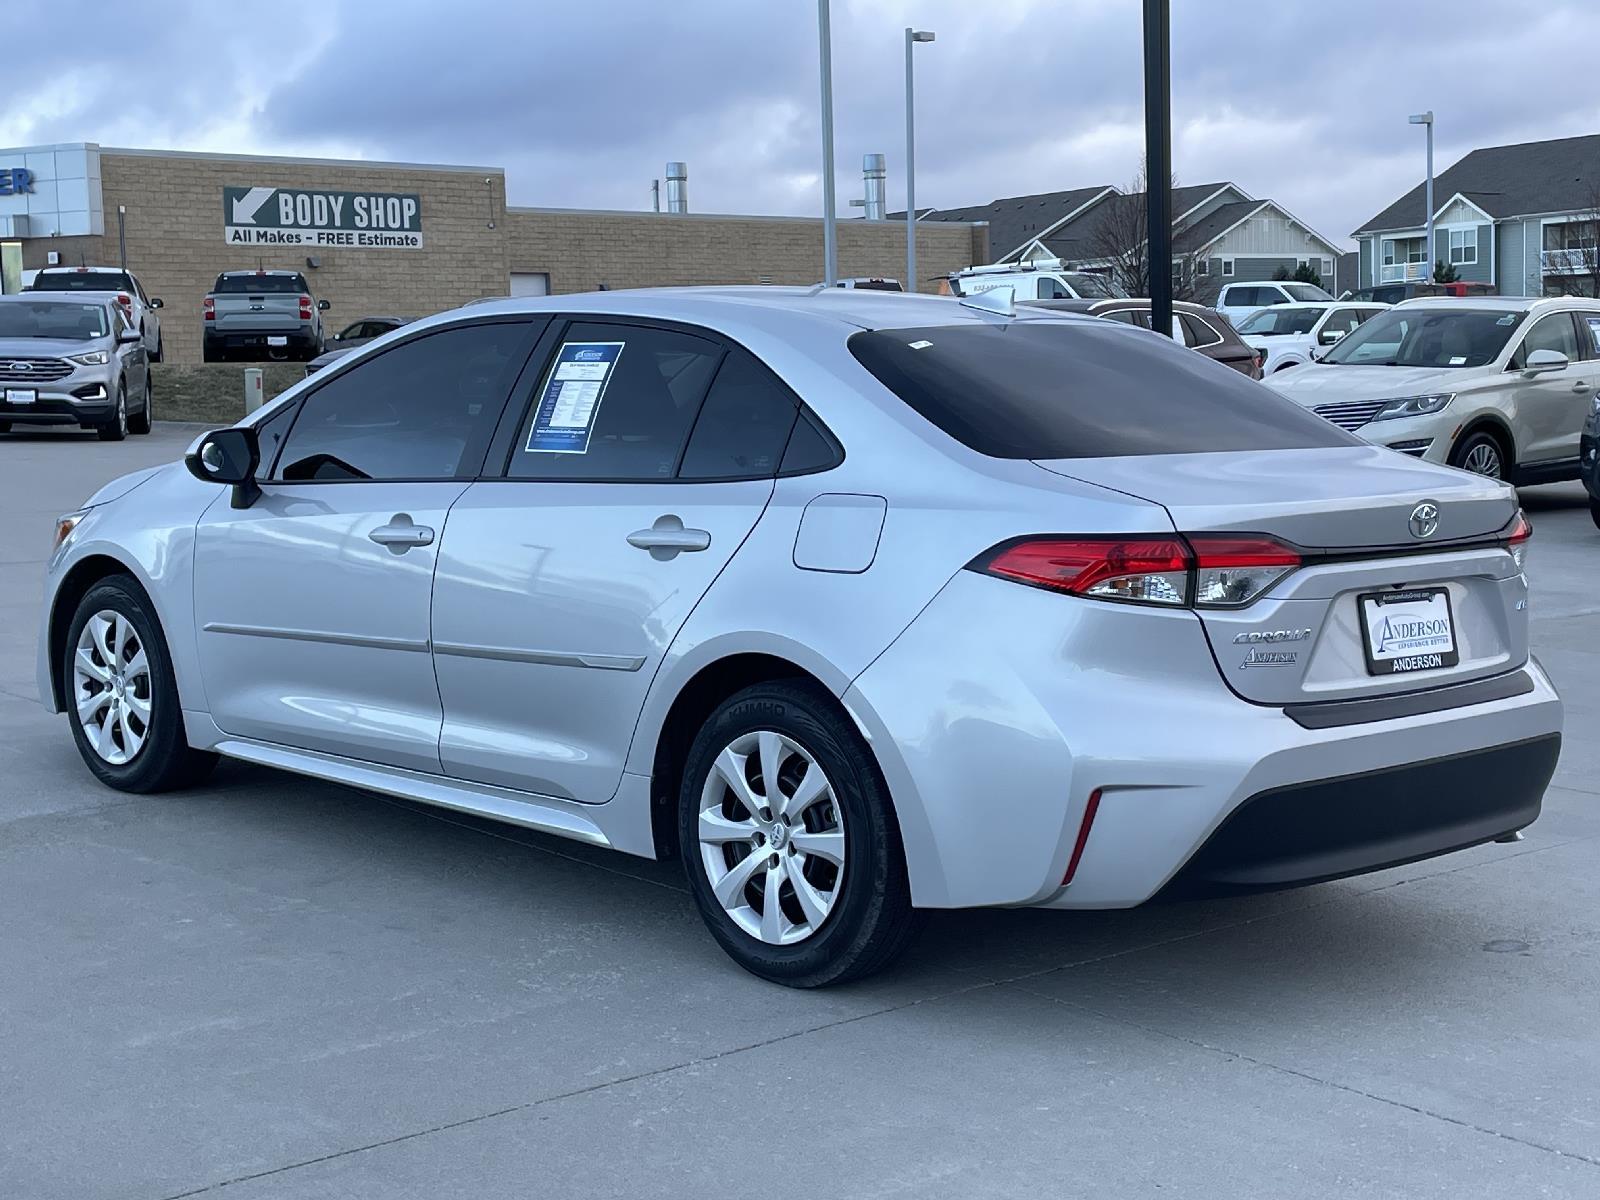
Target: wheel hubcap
x=1483 y=460
x=112 y=687
x=772 y=838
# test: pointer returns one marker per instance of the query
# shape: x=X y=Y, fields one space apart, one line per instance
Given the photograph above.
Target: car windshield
x=1272 y=321
x=51 y=319
x=257 y=285
x=1081 y=389
x=1428 y=337
x=81 y=281
x=1096 y=287
x=1306 y=291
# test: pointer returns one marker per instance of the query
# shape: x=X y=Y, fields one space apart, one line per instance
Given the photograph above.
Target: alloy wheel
x=122 y=409
x=112 y=687
x=1483 y=459
x=772 y=838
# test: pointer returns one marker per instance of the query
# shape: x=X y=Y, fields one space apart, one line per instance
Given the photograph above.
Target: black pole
x=1158 y=160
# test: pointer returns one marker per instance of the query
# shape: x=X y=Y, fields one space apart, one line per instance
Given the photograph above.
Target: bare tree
x=1118 y=242
x=1580 y=241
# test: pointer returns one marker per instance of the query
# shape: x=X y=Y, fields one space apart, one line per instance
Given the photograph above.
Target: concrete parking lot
x=273 y=987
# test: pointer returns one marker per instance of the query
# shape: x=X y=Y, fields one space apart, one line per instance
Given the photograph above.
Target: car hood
x=1321 y=383
x=122 y=485
x=48 y=347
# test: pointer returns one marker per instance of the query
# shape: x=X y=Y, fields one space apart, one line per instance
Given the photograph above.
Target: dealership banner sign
x=264 y=216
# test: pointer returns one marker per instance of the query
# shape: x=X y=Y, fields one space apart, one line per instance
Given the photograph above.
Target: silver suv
x=855 y=603
x=72 y=360
x=1498 y=386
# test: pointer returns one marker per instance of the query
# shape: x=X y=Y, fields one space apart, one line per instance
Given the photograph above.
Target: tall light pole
x=830 y=246
x=1427 y=119
x=913 y=36
x=1158 y=161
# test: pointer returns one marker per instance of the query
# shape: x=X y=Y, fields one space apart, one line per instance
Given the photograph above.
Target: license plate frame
x=22 y=395
x=1427 y=655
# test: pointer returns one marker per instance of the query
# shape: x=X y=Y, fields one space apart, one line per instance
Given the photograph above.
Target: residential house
x=1520 y=218
x=1220 y=232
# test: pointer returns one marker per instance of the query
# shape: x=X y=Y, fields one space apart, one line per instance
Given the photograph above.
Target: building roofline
x=292 y=160
x=1073 y=215
x=1213 y=196
x=515 y=209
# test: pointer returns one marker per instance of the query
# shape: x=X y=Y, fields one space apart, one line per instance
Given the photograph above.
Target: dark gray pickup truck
x=262 y=314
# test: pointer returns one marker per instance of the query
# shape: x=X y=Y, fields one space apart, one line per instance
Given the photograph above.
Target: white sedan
x=1287 y=334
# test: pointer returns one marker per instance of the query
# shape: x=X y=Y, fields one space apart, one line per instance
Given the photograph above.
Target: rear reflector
x=1089 y=811
x=1207 y=570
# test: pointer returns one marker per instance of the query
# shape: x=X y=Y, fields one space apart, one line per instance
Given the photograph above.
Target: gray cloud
x=584 y=102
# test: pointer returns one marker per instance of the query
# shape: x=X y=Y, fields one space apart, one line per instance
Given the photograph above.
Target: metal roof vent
x=677 y=187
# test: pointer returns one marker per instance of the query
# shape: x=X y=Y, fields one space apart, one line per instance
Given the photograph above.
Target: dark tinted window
x=1089 y=389
x=810 y=449
x=1197 y=332
x=744 y=423
x=637 y=421
x=423 y=410
x=271 y=432
x=259 y=285
x=81 y=281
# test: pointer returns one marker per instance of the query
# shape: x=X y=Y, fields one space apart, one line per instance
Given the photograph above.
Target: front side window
x=424 y=409
x=625 y=413
x=1454 y=337
x=1555 y=332
x=1084 y=389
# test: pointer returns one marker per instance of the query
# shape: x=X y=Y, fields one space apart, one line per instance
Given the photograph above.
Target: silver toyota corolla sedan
x=857 y=603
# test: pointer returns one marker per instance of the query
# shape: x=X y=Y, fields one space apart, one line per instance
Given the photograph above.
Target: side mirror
x=1329 y=336
x=129 y=337
x=323 y=306
x=157 y=302
x=228 y=456
x=1545 y=360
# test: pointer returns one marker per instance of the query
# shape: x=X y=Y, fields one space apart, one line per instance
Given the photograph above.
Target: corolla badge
x=1424 y=521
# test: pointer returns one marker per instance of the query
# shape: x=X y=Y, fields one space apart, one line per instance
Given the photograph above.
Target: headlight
x=1414 y=406
x=64 y=527
x=95 y=358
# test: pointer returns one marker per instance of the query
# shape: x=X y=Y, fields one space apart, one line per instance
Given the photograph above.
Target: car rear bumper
x=255 y=340
x=1006 y=717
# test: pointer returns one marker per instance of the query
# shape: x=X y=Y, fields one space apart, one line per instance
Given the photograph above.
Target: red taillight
x=305 y=308
x=1150 y=569
x=208 y=309
x=1207 y=570
x=1089 y=811
x=1517 y=540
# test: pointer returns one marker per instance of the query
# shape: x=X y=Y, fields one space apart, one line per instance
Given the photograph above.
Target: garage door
x=530 y=283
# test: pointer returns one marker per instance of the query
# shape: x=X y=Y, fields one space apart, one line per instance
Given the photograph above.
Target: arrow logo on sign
x=247 y=206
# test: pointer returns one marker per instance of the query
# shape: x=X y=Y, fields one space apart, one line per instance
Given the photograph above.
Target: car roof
x=76 y=270
x=275 y=271
x=1492 y=303
x=863 y=309
x=60 y=297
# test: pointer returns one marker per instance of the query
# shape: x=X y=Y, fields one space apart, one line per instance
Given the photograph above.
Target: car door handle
x=401 y=534
x=668 y=538
x=1580 y=386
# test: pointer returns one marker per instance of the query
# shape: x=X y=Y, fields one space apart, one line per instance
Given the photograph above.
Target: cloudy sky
x=583 y=102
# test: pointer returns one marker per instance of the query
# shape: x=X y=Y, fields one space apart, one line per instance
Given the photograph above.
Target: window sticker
x=1594 y=330
x=571 y=398
x=1459 y=360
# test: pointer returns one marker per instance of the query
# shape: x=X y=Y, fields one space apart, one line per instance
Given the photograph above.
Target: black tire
x=1477 y=449
x=210 y=354
x=1594 y=505
x=160 y=351
x=872 y=920
x=140 y=422
x=165 y=760
x=116 y=428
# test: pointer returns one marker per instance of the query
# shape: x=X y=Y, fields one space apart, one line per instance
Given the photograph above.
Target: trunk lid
x=1350 y=508
x=266 y=311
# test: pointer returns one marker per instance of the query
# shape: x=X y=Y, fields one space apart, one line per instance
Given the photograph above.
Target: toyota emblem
x=1424 y=520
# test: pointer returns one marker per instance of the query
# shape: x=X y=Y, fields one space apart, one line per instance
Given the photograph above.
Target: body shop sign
x=264 y=216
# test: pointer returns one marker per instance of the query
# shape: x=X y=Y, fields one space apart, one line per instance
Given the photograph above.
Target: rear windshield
x=1081 y=389
x=81 y=281
x=52 y=319
x=1428 y=337
x=1271 y=321
x=257 y=285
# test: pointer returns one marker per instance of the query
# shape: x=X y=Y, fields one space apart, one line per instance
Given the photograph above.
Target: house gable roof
x=1016 y=220
x=1560 y=175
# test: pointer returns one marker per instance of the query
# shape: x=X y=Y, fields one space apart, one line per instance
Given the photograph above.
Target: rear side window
x=744 y=423
x=626 y=416
x=1088 y=389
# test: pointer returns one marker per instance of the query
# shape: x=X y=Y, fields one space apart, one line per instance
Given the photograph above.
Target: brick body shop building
x=397 y=238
